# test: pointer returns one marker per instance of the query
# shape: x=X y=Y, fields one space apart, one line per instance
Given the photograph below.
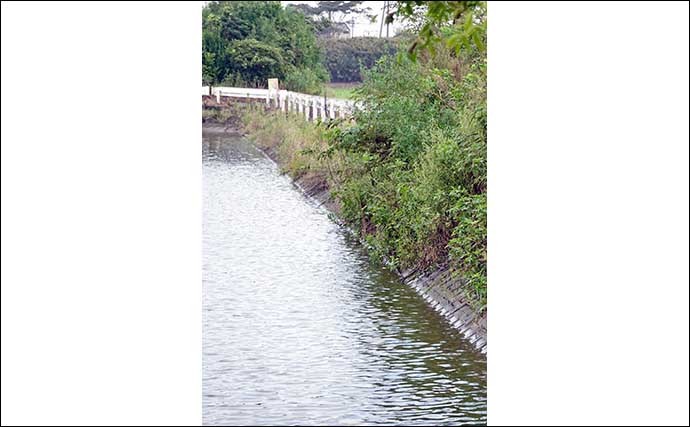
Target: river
x=299 y=327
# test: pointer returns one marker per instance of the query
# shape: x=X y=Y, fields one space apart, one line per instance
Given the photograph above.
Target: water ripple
x=300 y=328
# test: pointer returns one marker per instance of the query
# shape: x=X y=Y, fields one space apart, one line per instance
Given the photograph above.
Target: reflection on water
x=300 y=328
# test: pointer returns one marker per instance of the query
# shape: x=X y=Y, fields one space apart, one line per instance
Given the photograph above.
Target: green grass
x=341 y=91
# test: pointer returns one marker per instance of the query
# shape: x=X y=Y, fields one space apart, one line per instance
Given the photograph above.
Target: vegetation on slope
x=408 y=170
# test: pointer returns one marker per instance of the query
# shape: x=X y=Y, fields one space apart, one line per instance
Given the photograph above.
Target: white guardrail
x=313 y=107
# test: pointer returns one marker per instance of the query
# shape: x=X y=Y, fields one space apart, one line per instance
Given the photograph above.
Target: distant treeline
x=344 y=58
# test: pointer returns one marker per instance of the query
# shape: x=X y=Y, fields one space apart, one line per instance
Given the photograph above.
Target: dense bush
x=306 y=80
x=246 y=42
x=345 y=57
x=409 y=169
x=255 y=61
x=418 y=191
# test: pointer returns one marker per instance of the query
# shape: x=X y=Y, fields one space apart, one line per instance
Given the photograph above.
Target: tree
x=345 y=58
x=458 y=24
x=327 y=13
x=255 y=61
x=246 y=42
x=341 y=10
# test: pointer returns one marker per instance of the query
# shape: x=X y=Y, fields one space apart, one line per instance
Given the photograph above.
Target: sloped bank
x=292 y=146
x=440 y=287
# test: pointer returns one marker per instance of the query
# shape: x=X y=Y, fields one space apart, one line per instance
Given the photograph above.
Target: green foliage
x=306 y=80
x=416 y=189
x=468 y=244
x=255 y=61
x=346 y=57
x=459 y=25
x=247 y=42
x=409 y=170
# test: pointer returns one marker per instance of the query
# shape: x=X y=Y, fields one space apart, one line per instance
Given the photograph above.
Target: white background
x=588 y=213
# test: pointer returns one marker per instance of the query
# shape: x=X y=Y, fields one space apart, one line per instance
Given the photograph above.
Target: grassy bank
x=408 y=172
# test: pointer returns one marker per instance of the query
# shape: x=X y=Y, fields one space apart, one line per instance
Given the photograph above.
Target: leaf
x=468 y=22
x=478 y=41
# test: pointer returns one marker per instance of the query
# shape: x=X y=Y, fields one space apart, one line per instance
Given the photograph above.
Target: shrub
x=419 y=196
x=409 y=171
x=305 y=80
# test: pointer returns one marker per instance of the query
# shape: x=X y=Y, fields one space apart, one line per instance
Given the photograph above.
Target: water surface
x=299 y=327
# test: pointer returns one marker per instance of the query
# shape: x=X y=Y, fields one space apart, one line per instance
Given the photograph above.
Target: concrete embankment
x=440 y=287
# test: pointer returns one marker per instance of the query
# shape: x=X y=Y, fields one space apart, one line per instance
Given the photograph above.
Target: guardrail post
x=272 y=92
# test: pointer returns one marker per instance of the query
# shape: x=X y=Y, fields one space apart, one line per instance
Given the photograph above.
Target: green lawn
x=341 y=91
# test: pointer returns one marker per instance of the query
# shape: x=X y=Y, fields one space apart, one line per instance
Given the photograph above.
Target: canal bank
x=441 y=286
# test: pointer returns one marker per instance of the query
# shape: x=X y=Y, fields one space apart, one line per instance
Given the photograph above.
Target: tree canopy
x=246 y=42
x=334 y=11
